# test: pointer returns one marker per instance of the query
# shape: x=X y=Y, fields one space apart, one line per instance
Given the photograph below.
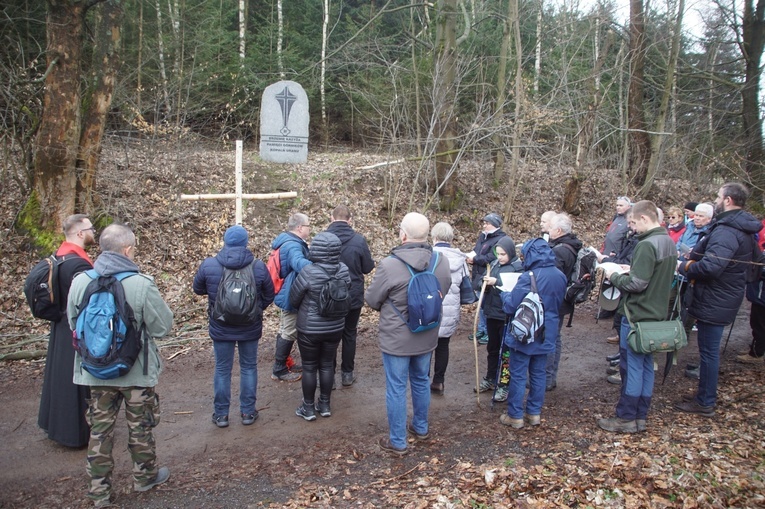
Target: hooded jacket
x=209 y=276
x=304 y=295
x=566 y=248
x=148 y=308
x=551 y=285
x=717 y=280
x=389 y=288
x=492 y=299
x=451 y=305
x=293 y=256
x=484 y=254
x=356 y=256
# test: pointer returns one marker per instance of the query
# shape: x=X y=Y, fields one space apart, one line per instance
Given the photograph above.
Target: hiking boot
x=306 y=411
x=614 y=363
x=509 y=421
x=746 y=358
x=220 y=420
x=322 y=406
x=692 y=372
x=692 y=407
x=347 y=378
x=437 y=388
x=486 y=385
x=640 y=425
x=614 y=357
x=163 y=474
x=482 y=338
x=248 y=419
x=687 y=398
x=103 y=503
x=551 y=386
x=612 y=340
x=615 y=379
x=287 y=376
x=417 y=436
x=611 y=370
x=618 y=425
x=500 y=394
x=386 y=446
x=532 y=420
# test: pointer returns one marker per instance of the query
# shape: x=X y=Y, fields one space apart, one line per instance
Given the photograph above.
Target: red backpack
x=274 y=266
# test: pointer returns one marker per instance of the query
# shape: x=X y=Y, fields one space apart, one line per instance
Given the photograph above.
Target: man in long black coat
x=63 y=404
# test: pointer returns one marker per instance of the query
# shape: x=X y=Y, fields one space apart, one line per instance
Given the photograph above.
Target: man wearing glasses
x=293 y=256
x=63 y=404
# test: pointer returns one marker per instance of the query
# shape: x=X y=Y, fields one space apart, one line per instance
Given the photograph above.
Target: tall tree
x=639 y=142
x=752 y=48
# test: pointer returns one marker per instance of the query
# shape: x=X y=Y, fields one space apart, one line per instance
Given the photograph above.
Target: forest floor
x=282 y=461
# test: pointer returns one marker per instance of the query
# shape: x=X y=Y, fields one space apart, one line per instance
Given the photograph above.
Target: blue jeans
x=397 y=370
x=637 y=379
x=553 y=359
x=709 y=337
x=521 y=367
x=248 y=376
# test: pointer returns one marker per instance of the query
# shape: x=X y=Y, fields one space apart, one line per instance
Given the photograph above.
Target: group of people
x=721 y=247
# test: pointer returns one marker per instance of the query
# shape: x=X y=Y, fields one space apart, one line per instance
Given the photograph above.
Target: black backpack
x=334 y=297
x=582 y=277
x=237 y=301
x=42 y=291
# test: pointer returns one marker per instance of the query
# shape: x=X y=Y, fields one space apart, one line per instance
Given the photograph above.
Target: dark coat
x=484 y=254
x=566 y=247
x=355 y=254
x=63 y=405
x=208 y=278
x=304 y=296
x=624 y=256
x=551 y=285
x=717 y=283
x=492 y=299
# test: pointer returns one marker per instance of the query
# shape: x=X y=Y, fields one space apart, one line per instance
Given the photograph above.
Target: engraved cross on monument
x=238 y=195
x=284 y=123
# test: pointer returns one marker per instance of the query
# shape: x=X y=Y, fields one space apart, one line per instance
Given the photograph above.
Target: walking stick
x=729 y=332
x=475 y=337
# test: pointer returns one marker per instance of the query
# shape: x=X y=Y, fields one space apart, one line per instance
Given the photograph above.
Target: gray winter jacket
x=304 y=294
x=451 y=305
x=389 y=288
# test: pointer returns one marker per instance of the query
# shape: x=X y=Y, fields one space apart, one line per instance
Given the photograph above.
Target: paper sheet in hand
x=471 y=254
x=612 y=267
x=509 y=280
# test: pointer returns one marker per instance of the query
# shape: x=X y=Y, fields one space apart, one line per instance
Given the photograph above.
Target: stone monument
x=284 y=123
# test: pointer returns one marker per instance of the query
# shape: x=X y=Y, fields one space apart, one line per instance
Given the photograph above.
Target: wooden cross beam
x=238 y=195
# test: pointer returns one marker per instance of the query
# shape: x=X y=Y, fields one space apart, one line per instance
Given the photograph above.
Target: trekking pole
x=475 y=337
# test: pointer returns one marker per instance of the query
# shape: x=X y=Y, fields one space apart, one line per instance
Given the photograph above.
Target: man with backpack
x=238 y=290
x=133 y=295
x=645 y=291
x=356 y=256
x=406 y=348
x=63 y=404
x=565 y=245
x=291 y=250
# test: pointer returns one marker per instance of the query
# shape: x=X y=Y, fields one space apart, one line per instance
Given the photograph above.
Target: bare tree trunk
x=418 y=107
x=538 y=49
x=640 y=143
x=98 y=97
x=139 y=86
x=519 y=98
x=324 y=26
x=445 y=73
x=661 y=120
x=242 y=31
x=499 y=109
x=279 y=39
x=161 y=49
x=55 y=179
x=754 y=41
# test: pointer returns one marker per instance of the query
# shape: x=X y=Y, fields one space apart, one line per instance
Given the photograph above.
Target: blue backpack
x=105 y=335
x=423 y=297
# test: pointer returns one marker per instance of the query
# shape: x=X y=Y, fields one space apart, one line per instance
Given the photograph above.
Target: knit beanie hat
x=236 y=236
x=691 y=205
x=493 y=219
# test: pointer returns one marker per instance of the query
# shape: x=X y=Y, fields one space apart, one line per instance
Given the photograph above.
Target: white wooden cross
x=238 y=195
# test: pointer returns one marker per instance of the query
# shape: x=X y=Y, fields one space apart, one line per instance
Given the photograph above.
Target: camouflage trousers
x=142 y=413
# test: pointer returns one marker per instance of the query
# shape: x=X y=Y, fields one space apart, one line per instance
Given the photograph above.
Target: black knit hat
x=493 y=219
x=691 y=205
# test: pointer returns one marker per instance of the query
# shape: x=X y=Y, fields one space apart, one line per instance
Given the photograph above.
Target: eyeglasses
x=674 y=217
x=91 y=229
x=305 y=225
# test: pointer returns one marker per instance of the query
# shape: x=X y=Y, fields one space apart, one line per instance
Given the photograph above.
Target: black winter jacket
x=566 y=247
x=492 y=299
x=717 y=283
x=304 y=294
x=355 y=254
x=484 y=254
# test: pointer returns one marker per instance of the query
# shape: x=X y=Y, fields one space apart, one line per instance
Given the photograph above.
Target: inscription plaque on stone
x=284 y=123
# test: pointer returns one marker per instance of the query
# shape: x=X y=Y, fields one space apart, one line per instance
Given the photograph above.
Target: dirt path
x=271 y=461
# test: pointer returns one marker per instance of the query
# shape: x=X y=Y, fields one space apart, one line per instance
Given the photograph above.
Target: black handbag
x=467 y=294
